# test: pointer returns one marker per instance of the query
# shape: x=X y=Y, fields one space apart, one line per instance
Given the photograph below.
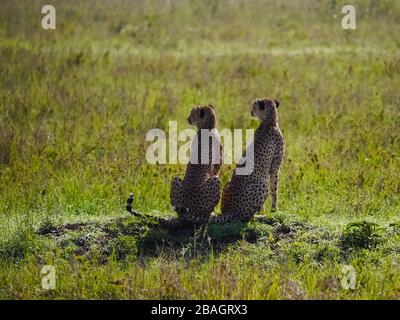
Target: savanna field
x=76 y=104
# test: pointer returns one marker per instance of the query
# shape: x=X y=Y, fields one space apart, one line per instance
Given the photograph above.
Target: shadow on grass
x=133 y=238
x=139 y=237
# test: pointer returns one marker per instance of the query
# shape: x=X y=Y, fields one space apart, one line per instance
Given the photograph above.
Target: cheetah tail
x=128 y=206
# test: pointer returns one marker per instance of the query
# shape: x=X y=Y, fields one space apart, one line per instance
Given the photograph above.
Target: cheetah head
x=265 y=109
x=202 y=117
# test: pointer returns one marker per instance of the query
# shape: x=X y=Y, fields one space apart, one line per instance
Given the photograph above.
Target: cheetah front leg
x=212 y=192
x=226 y=198
x=176 y=195
x=273 y=176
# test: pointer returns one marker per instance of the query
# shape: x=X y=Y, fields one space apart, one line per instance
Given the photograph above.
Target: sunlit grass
x=76 y=103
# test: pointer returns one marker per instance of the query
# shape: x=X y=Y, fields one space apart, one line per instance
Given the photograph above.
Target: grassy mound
x=132 y=237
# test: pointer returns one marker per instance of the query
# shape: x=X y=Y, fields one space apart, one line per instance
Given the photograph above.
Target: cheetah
x=196 y=196
x=244 y=195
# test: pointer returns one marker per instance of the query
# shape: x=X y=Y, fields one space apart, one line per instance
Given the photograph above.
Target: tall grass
x=76 y=103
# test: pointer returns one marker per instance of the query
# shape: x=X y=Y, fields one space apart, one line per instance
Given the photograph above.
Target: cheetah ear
x=211 y=106
x=277 y=103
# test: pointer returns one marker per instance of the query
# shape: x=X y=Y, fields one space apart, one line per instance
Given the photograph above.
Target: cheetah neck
x=269 y=123
x=207 y=126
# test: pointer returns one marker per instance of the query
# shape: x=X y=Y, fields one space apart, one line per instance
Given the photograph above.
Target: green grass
x=75 y=106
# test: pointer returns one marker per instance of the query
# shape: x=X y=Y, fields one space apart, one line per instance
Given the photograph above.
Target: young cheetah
x=195 y=197
x=244 y=195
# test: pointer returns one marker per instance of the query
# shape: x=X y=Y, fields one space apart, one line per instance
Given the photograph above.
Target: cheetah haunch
x=244 y=195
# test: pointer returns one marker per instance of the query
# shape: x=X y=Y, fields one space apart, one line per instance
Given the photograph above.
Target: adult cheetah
x=195 y=197
x=244 y=195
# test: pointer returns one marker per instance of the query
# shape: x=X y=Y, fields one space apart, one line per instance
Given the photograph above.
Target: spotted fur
x=244 y=195
x=195 y=196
